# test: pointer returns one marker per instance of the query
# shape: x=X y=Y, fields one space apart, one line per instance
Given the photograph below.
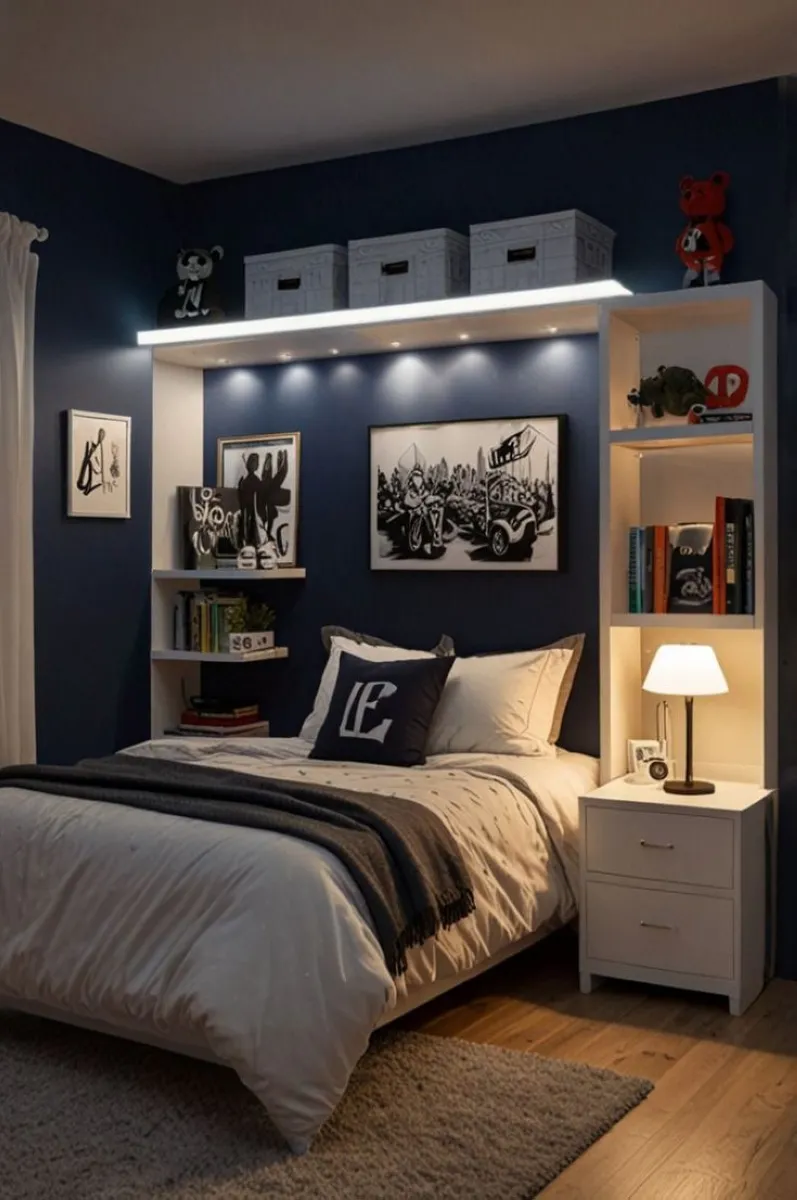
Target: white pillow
x=326 y=687
x=500 y=704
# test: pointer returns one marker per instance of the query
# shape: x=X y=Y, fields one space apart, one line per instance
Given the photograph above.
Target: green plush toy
x=672 y=390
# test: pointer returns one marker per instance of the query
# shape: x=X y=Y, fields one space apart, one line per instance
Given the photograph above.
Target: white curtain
x=18 y=271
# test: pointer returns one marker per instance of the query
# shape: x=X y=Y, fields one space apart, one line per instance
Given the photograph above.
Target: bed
x=255 y=949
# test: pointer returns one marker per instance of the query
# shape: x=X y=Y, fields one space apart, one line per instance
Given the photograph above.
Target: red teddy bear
x=705 y=241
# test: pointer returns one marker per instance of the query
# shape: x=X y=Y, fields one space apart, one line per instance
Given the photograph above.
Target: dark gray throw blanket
x=400 y=854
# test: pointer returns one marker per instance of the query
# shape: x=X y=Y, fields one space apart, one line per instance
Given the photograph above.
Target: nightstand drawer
x=667 y=931
x=671 y=847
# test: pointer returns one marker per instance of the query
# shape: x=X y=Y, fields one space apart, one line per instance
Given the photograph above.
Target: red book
x=718 y=556
x=194 y=718
x=660 y=559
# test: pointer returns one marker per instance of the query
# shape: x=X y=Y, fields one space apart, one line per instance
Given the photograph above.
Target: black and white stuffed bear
x=193 y=299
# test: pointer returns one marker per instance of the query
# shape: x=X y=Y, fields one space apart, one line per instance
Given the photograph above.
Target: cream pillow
x=500 y=703
x=326 y=687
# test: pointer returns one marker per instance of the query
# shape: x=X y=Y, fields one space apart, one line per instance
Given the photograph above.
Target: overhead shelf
x=233 y=575
x=497 y=317
x=197 y=656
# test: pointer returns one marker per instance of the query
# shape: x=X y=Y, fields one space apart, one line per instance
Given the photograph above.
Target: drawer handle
x=653 y=925
x=656 y=845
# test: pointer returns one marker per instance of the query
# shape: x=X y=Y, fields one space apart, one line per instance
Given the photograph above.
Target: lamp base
x=697 y=787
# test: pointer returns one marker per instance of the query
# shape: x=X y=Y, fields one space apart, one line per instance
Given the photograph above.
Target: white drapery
x=18 y=272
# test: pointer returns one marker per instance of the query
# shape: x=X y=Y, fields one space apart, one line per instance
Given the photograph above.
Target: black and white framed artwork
x=265 y=470
x=98 y=465
x=480 y=495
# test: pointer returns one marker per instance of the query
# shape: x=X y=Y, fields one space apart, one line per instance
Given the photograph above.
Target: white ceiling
x=191 y=89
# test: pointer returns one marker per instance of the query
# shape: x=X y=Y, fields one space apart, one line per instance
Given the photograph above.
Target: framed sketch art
x=265 y=469
x=479 y=495
x=98 y=465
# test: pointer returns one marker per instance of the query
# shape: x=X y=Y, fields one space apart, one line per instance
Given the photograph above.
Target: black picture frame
x=496 y=500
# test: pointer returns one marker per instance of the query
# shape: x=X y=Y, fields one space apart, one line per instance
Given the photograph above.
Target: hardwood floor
x=722 y=1121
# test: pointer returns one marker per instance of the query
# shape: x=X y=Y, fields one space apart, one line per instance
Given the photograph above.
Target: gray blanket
x=400 y=854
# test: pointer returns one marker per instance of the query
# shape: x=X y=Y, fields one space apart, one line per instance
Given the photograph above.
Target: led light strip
x=353 y=318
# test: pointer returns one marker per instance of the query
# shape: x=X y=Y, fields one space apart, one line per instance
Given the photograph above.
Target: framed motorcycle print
x=474 y=495
x=264 y=468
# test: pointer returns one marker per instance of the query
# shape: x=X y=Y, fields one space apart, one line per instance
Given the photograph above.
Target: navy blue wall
x=332 y=404
x=112 y=236
x=622 y=167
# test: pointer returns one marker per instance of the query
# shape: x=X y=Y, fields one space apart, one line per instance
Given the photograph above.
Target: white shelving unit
x=658 y=474
x=667 y=473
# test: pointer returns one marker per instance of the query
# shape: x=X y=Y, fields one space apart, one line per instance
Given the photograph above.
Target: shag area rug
x=87 y=1117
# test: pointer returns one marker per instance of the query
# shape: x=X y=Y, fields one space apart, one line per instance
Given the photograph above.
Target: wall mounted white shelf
x=223 y=575
x=499 y=317
x=683 y=621
x=662 y=437
x=196 y=656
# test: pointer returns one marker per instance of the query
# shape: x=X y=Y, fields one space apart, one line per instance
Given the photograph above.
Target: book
x=648 y=537
x=225 y=730
x=261 y=729
x=749 y=559
x=734 y=554
x=635 y=567
x=718 y=556
x=691 y=588
x=209 y=706
x=192 y=718
x=661 y=560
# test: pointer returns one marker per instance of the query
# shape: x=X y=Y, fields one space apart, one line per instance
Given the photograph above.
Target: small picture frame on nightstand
x=640 y=752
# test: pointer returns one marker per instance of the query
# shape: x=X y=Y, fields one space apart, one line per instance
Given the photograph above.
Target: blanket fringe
x=450 y=908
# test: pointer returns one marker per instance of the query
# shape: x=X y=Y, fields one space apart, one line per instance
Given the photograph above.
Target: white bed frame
x=407 y=1004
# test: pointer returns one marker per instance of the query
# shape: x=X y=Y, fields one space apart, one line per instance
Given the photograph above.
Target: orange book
x=718 y=555
x=660 y=559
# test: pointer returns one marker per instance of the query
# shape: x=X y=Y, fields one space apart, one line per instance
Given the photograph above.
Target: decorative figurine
x=193 y=299
x=705 y=241
x=726 y=387
x=671 y=390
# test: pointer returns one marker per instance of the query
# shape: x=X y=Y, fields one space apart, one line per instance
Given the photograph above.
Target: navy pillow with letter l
x=381 y=711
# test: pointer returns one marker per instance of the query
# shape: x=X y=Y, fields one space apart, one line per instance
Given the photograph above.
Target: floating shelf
x=661 y=437
x=684 y=620
x=233 y=575
x=497 y=317
x=197 y=656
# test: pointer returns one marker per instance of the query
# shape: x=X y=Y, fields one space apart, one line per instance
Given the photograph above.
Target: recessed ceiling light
x=395 y=345
x=223 y=362
x=286 y=357
x=464 y=337
x=334 y=352
x=551 y=328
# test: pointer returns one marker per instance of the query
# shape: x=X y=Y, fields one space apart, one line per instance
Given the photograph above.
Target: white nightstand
x=677 y=891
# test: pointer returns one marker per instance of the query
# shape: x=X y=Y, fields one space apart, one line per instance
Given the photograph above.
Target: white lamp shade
x=685 y=671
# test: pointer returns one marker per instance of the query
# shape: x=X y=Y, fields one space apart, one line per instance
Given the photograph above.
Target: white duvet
x=253 y=947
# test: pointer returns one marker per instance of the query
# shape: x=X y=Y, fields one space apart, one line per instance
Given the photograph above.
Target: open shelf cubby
x=666 y=472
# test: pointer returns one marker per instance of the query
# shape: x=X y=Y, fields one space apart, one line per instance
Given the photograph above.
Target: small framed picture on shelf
x=98 y=465
x=265 y=470
x=640 y=752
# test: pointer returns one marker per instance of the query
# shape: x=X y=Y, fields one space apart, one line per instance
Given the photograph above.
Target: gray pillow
x=443 y=649
x=575 y=643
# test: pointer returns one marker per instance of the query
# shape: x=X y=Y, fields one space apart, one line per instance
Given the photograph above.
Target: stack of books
x=203 y=620
x=220 y=719
x=695 y=567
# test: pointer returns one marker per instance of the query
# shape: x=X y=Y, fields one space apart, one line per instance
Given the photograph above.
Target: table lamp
x=686 y=671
